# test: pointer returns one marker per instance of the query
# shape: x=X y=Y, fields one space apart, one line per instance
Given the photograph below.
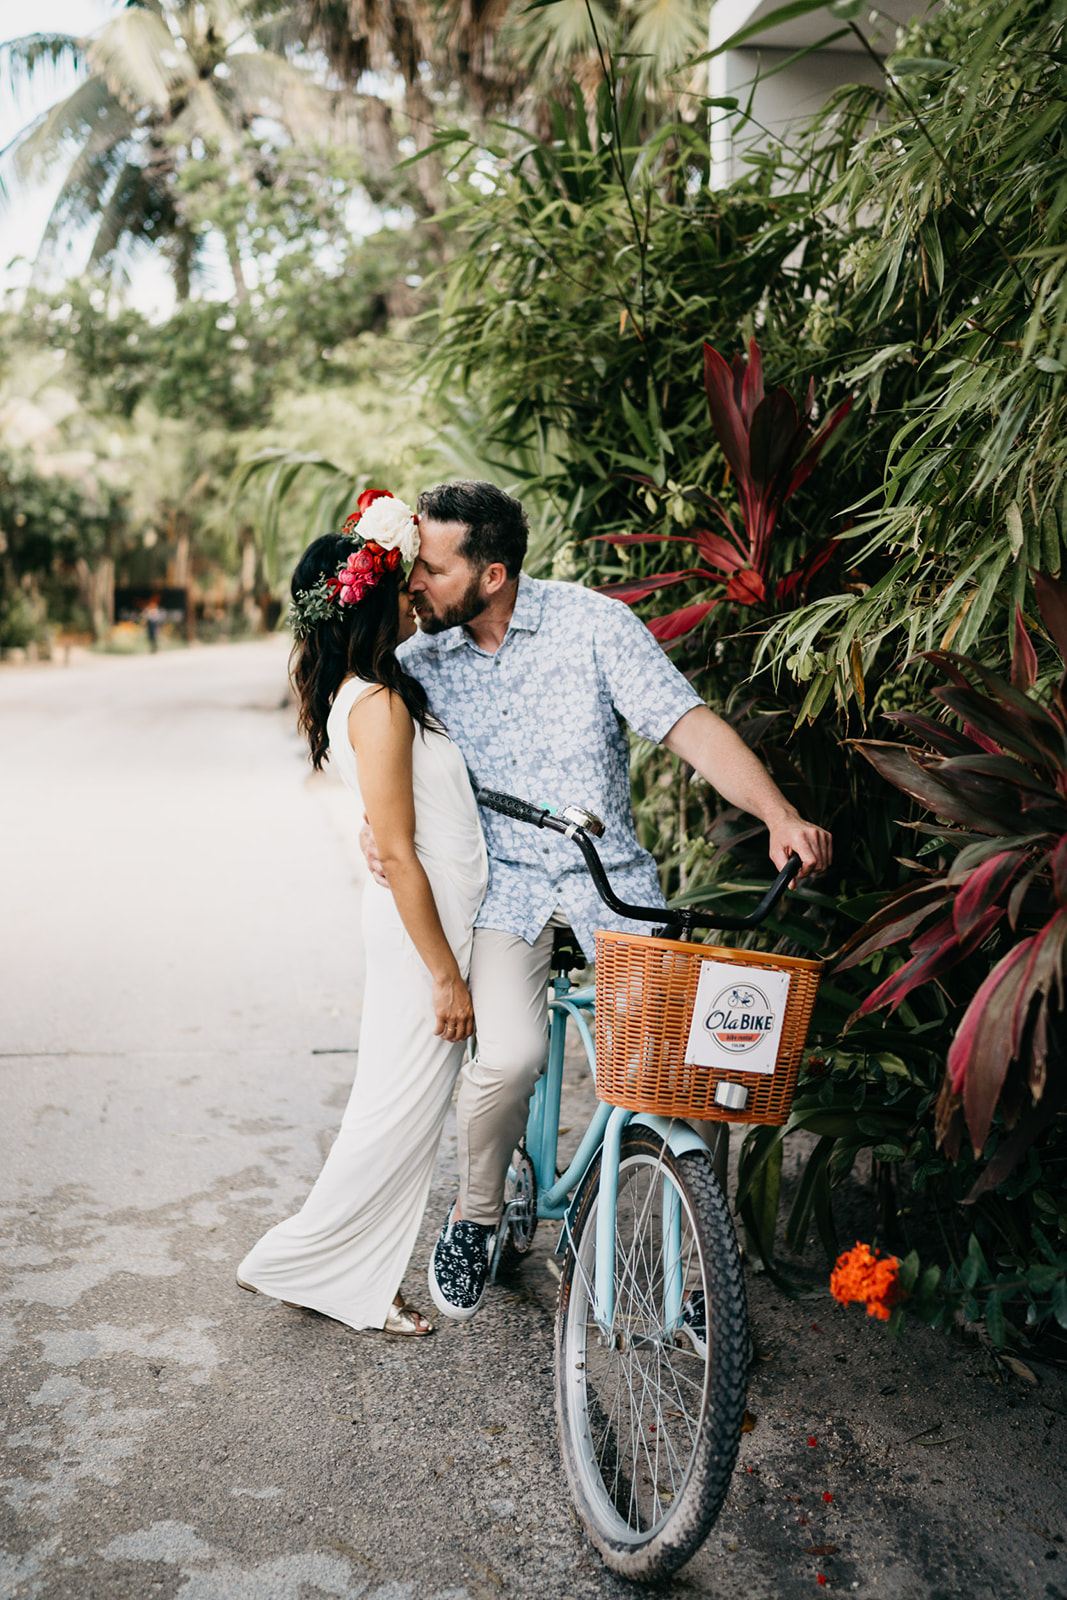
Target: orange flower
x=873 y=1280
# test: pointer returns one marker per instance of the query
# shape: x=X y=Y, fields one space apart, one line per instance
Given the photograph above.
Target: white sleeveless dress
x=346 y=1250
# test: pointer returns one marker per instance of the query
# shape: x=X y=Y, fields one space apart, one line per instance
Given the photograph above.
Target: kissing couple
x=425 y=655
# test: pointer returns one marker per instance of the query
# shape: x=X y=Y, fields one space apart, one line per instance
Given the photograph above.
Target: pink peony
x=360 y=561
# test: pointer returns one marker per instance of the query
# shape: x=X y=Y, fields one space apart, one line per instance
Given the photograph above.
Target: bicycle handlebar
x=682 y=919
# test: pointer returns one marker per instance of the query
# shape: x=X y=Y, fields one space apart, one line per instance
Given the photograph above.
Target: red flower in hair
x=367 y=498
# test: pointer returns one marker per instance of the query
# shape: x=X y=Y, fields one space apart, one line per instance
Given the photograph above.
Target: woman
x=346 y=1250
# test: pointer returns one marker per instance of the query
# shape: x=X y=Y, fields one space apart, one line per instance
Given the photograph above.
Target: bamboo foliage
x=955 y=207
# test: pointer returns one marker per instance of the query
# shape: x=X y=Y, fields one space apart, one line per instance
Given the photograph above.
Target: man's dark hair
x=496 y=524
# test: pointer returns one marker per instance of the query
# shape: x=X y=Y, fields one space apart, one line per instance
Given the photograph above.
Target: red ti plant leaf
x=938 y=949
x=752 y=384
x=669 y=629
x=746 y=587
x=812 y=563
x=944 y=739
x=1044 y=968
x=902 y=768
x=1023 y=657
x=765 y=440
x=980 y=1055
x=1052 y=601
x=770 y=451
x=719 y=552
x=637 y=588
x=726 y=415
x=986 y=884
x=1059 y=871
x=809 y=460
x=773 y=438
x=894 y=921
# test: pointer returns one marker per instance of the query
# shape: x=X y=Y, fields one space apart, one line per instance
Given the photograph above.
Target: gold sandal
x=253 y=1290
x=404 y=1320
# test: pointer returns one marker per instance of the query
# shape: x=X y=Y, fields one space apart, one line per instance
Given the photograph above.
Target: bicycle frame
x=606 y=1128
x=604 y=1133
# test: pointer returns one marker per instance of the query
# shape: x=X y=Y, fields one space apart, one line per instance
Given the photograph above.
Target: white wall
x=790 y=95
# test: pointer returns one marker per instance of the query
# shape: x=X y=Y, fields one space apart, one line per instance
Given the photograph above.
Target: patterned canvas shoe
x=459 y=1266
x=695 y=1322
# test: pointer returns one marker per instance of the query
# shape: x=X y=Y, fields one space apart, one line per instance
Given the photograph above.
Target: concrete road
x=179 y=999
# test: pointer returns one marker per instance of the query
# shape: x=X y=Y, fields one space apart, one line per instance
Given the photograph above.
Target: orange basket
x=646 y=993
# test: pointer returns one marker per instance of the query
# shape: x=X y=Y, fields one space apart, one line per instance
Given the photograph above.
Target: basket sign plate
x=737 y=1017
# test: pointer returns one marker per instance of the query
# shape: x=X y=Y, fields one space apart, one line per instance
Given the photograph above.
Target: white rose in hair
x=390 y=523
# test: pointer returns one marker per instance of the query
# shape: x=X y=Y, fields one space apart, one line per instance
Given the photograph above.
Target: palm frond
x=555 y=35
x=137 y=54
x=208 y=114
x=84 y=112
x=24 y=57
x=131 y=210
x=272 y=473
x=268 y=85
x=667 y=32
x=89 y=180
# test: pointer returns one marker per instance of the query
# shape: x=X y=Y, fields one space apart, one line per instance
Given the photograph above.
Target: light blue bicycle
x=651 y=1339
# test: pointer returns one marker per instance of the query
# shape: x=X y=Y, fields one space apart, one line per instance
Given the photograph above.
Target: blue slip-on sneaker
x=459 y=1267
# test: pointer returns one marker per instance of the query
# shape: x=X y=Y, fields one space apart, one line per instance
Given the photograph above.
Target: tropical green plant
x=976 y=1030
x=55 y=532
x=949 y=318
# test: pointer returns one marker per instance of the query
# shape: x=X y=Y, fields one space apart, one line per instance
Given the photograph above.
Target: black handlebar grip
x=510 y=805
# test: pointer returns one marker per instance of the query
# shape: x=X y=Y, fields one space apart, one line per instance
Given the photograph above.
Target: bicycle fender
x=677 y=1136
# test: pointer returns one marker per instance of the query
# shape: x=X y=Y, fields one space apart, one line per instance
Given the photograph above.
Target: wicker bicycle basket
x=646 y=991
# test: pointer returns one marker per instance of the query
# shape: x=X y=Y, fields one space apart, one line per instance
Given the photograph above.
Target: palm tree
x=499 y=57
x=167 y=82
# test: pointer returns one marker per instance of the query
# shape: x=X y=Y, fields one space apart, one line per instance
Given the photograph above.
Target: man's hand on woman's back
x=370 y=854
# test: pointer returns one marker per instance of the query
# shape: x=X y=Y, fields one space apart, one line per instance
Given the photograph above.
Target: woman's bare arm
x=380 y=730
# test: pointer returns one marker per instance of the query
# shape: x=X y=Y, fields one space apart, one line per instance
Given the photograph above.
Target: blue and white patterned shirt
x=542 y=718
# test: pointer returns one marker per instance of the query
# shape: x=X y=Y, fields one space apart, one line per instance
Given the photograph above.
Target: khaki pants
x=508 y=984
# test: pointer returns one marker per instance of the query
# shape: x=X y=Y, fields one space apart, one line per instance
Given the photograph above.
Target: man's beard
x=471 y=604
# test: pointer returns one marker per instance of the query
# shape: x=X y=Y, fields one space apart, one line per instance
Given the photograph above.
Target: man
x=532 y=679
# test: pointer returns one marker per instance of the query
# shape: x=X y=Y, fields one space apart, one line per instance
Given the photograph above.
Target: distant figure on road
x=344 y=1254
x=153 y=617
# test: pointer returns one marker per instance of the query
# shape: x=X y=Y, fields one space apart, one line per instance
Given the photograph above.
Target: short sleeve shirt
x=543 y=718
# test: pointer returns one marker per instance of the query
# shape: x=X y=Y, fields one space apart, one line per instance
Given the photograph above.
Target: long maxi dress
x=345 y=1251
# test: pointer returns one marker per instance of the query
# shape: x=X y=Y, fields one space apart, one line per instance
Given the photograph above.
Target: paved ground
x=179 y=996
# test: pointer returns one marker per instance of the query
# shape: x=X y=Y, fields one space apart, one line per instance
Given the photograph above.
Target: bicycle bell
x=581 y=818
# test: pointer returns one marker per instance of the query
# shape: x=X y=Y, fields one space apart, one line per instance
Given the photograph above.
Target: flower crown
x=385 y=533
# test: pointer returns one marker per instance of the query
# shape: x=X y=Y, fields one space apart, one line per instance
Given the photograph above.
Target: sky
x=24 y=211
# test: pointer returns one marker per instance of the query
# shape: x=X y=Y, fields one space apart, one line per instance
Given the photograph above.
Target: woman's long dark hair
x=360 y=639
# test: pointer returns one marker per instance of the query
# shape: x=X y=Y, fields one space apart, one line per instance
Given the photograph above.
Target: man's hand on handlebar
x=812 y=844
x=370 y=854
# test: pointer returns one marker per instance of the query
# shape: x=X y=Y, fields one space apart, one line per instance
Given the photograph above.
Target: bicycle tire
x=618 y=1441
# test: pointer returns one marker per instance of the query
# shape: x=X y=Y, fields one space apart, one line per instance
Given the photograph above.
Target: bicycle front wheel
x=650 y=1416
